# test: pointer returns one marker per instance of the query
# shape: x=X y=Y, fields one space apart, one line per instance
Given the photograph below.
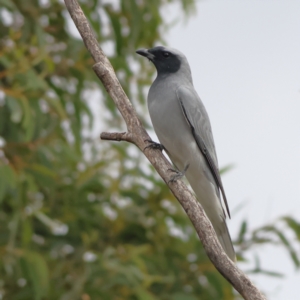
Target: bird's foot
x=179 y=174
x=154 y=145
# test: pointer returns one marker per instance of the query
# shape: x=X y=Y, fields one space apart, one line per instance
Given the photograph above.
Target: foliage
x=80 y=218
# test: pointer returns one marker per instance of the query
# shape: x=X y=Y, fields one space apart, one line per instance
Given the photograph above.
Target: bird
x=183 y=128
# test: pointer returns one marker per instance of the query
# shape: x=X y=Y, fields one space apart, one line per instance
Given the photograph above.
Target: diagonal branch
x=137 y=135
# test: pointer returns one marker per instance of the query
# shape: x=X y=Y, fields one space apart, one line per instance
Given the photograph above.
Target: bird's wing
x=197 y=118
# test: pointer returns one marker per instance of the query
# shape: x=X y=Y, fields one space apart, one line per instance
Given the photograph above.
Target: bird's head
x=166 y=60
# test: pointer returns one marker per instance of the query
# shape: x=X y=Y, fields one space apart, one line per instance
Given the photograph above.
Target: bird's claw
x=154 y=145
x=178 y=175
x=175 y=177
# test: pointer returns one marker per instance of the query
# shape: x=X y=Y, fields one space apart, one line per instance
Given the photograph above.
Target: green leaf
x=15 y=108
x=243 y=230
x=8 y=180
x=41 y=170
x=143 y=294
x=182 y=296
x=294 y=225
x=288 y=246
x=26 y=232
x=38 y=272
x=8 y=4
x=57 y=107
x=226 y=169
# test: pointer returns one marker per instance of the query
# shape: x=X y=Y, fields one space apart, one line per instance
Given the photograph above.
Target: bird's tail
x=224 y=238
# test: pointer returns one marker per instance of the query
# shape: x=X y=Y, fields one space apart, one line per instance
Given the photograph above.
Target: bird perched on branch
x=183 y=128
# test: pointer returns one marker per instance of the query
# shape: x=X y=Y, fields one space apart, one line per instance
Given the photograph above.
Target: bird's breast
x=172 y=128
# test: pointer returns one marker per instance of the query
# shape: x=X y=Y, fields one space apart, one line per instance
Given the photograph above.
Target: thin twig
x=116 y=136
x=137 y=134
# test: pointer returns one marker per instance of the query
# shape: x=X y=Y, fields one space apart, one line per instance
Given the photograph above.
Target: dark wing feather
x=197 y=118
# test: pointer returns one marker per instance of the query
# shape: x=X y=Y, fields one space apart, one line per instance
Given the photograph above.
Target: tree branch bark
x=137 y=135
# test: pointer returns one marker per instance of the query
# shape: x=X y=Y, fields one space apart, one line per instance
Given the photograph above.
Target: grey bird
x=182 y=126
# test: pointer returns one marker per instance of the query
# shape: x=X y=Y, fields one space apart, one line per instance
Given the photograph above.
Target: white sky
x=245 y=60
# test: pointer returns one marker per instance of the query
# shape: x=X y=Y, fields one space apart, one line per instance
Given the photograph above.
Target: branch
x=137 y=135
x=116 y=136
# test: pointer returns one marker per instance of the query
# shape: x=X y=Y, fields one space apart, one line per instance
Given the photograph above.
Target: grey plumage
x=182 y=126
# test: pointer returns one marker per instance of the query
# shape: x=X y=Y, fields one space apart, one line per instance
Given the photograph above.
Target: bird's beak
x=146 y=53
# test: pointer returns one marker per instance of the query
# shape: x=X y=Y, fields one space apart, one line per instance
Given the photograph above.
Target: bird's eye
x=166 y=54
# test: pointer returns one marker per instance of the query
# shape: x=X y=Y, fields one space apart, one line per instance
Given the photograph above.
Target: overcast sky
x=245 y=61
